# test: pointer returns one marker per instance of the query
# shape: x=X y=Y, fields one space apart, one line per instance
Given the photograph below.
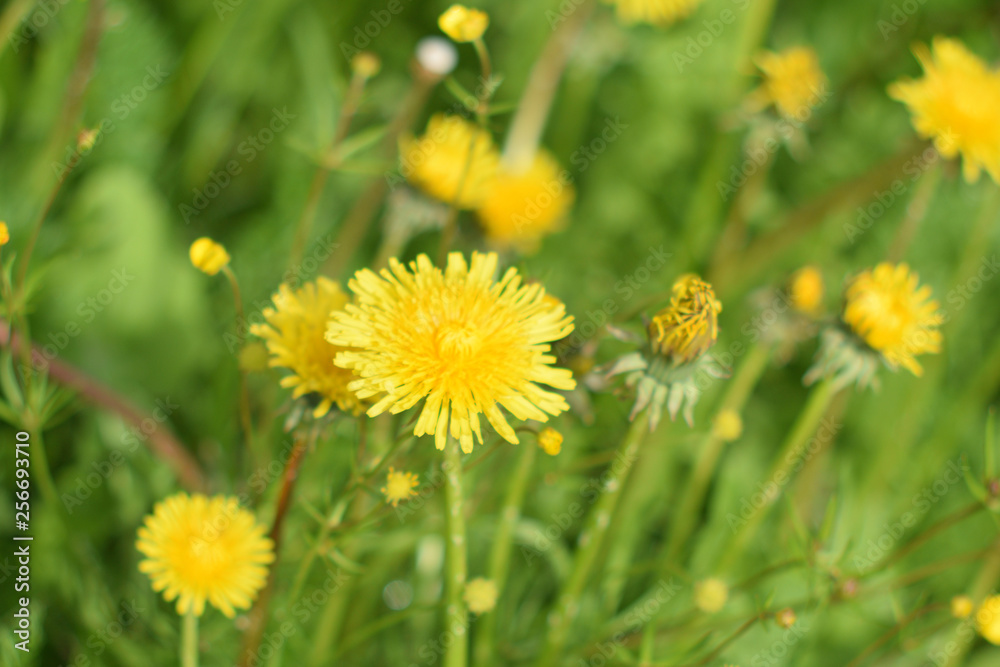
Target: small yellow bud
x=399 y=486
x=710 y=595
x=366 y=64
x=253 y=357
x=988 y=619
x=785 y=618
x=85 y=140
x=481 y=595
x=806 y=290
x=727 y=425
x=4 y=234
x=208 y=256
x=463 y=24
x=550 y=440
x=961 y=606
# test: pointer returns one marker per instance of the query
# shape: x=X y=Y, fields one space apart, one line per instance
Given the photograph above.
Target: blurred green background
x=181 y=89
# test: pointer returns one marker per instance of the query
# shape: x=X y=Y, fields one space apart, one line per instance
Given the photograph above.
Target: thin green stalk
x=189 y=640
x=456 y=566
x=916 y=211
x=737 y=393
x=246 y=421
x=786 y=463
x=41 y=470
x=591 y=541
x=485 y=645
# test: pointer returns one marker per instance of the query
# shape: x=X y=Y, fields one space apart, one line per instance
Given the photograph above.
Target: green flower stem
x=737 y=393
x=784 y=467
x=246 y=421
x=915 y=213
x=189 y=640
x=590 y=541
x=456 y=568
x=484 y=649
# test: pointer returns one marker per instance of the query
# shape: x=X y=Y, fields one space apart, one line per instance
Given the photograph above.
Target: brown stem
x=727 y=641
x=258 y=616
x=161 y=442
x=884 y=639
x=941 y=526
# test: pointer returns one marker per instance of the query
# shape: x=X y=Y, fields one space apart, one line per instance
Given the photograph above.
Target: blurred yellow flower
x=295 y=333
x=657 y=12
x=200 y=548
x=522 y=206
x=988 y=619
x=793 y=82
x=481 y=595
x=956 y=104
x=457 y=339
x=455 y=161
x=893 y=316
x=208 y=256
x=806 y=290
x=686 y=328
x=550 y=440
x=4 y=234
x=366 y=64
x=786 y=618
x=710 y=595
x=399 y=486
x=463 y=24
x=728 y=426
x=961 y=606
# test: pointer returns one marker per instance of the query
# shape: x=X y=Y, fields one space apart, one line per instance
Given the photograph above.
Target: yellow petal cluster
x=523 y=205
x=458 y=340
x=686 y=328
x=893 y=315
x=295 y=334
x=793 y=82
x=463 y=24
x=202 y=549
x=208 y=256
x=956 y=104
x=454 y=161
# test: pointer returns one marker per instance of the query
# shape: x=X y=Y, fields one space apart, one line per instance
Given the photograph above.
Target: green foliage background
x=229 y=66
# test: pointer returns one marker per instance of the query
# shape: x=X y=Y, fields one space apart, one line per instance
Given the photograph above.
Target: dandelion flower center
x=458 y=340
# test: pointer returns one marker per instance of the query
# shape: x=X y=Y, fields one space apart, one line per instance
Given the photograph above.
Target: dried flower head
x=685 y=329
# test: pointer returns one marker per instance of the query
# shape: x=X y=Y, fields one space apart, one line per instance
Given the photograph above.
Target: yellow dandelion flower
x=522 y=206
x=467 y=344
x=710 y=595
x=463 y=24
x=961 y=606
x=988 y=619
x=686 y=328
x=893 y=316
x=4 y=234
x=481 y=595
x=295 y=334
x=657 y=12
x=728 y=426
x=399 y=486
x=550 y=440
x=955 y=104
x=793 y=82
x=208 y=256
x=454 y=161
x=200 y=548
x=806 y=290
